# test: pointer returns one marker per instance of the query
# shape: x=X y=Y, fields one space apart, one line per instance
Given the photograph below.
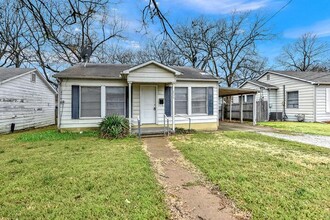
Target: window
x=33 y=77
x=116 y=100
x=90 y=101
x=292 y=99
x=249 y=98
x=268 y=77
x=199 y=100
x=181 y=100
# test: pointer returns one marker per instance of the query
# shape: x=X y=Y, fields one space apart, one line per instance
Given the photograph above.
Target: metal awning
x=223 y=92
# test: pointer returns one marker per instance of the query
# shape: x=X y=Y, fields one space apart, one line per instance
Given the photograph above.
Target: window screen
x=181 y=100
x=199 y=100
x=33 y=77
x=90 y=101
x=116 y=100
x=292 y=99
x=249 y=99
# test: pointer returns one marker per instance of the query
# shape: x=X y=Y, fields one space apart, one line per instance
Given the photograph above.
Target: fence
x=262 y=111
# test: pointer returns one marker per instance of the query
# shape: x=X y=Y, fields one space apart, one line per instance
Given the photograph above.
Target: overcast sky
x=299 y=17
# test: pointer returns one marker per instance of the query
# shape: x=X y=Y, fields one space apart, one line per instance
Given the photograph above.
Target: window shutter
x=210 y=101
x=327 y=99
x=168 y=102
x=75 y=102
x=127 y=100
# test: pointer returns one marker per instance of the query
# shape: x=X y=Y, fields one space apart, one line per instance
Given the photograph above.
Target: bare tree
x=304 y=54
x=226 y=48
x=13 y=32
x=61 y=31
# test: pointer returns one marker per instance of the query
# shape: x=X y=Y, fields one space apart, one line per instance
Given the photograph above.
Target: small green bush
x=114 y=126
x=184 y=131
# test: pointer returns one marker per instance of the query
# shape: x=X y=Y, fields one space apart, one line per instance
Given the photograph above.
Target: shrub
x=114 y=126
x=184 y=131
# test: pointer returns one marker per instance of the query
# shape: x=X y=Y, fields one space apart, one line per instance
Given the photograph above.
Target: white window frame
x=80 y=106
x=33 y=77
x=125 y=109
x=206 y=101
x=187 y=101
x=287 y=99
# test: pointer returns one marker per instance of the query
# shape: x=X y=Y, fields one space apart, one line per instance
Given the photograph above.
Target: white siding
x=65 y=108
x=306 y=96
x=321 y=101
x=151 y=73
x=262 y=93
x=25 y=103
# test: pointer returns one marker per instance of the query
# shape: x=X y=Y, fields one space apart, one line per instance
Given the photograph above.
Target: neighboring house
x=146 y=92
x=27 y=100
x=291 y=94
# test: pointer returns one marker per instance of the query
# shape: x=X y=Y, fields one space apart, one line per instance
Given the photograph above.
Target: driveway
x=317 y=140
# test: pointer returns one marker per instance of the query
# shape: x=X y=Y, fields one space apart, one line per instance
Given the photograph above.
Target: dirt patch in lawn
x=188 y=194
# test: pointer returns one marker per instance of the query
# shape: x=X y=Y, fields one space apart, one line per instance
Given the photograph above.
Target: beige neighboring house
x=149 y=92
x=293 y=95
x=27 y=100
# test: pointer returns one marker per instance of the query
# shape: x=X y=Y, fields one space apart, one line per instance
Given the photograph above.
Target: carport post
x=241 y=108
x=130 y=106
x=230 y=108
x=254 y=109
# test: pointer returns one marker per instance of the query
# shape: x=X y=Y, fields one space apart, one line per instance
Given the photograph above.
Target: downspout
x=59 y=104
x=268 y=103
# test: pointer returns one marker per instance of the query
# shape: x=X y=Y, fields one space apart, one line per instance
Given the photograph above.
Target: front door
x=148 y=104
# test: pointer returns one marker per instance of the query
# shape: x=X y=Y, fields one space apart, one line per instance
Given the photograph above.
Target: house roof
x=8 y=73
x=261 y=84
x=311 y=77
x=114 y=71
x=223 y=92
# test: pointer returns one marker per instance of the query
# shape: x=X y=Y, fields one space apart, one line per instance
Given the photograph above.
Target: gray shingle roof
x=99 y=71
x=7 y=73
x=316 y=77
x=262 y=84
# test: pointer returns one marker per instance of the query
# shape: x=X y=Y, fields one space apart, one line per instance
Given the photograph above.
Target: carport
x=228 y=92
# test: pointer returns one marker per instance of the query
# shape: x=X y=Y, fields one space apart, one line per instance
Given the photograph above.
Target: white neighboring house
x=146 y=92
x=292 y=93
x=26 y=99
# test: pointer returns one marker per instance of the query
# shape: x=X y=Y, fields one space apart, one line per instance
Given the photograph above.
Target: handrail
x=186 y=117
x=167 y=130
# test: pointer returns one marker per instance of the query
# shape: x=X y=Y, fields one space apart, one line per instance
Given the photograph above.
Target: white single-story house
x=27 y=100
x=149 y=93
x=292 y=95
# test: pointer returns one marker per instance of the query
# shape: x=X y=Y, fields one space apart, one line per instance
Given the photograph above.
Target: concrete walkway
x=188 y=195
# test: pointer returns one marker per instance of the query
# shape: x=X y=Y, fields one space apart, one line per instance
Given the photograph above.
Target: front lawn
x=47 y=175
x=300 y=127
x=271 y=178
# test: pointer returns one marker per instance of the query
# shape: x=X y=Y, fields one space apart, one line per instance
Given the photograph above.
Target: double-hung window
x=90 y=101
x=181 y=100
x=116 y=100
x=199 y=100
x=292 y=99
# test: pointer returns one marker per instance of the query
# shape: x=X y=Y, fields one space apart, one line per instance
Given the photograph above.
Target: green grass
x=300 y=127
x=271 y=178
x=48 y=175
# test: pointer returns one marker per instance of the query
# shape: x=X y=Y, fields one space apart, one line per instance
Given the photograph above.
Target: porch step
x=150 y=131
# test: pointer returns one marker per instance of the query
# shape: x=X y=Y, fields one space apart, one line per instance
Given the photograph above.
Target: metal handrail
x=186 y=117
x=167 y=130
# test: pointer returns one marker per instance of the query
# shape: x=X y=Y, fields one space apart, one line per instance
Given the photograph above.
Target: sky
x=297 y=18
